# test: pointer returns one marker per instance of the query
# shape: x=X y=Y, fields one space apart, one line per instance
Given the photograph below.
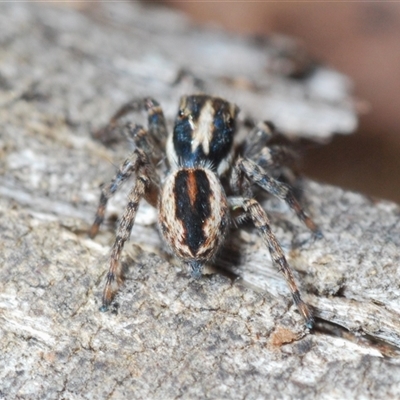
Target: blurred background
x=360 y=39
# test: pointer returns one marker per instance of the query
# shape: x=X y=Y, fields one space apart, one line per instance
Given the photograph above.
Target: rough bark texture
x=62 y=73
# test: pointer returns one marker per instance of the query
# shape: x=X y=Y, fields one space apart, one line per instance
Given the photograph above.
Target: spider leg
x=274 y=157
x=257 y=138
x=157 y=126
x=260 y=219
x=257 y=175
x=125 y=171
x=256 y=146
x=143 y=188
x=144 y=141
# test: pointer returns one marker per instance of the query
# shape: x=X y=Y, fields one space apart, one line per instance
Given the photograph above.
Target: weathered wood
x=63 y=73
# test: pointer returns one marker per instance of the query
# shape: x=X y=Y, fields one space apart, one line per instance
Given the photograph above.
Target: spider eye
x=181 y=113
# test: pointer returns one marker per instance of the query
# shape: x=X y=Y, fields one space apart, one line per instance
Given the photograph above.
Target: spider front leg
x=258 y=138
x=144 y=188
x=157 y=127
x=246 y=168
x=260 y=219
x=257 y=146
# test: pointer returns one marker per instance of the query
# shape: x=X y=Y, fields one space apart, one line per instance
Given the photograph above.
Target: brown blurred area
x=360 y=39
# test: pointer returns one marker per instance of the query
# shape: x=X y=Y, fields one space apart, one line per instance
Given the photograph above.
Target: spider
x=203 y=164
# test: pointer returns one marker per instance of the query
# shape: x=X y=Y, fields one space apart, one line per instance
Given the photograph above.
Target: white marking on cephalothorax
x=171 y=153
x=203 y=131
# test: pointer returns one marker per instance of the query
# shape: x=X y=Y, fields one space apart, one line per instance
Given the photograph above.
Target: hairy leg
x=114 y=275
x=157 y=126
x=255 y=174
x=260 y=219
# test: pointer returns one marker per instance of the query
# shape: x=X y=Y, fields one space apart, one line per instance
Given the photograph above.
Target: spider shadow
x=231 y=255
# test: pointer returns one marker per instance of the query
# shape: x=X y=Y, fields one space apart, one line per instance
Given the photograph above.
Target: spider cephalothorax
x=194 y=211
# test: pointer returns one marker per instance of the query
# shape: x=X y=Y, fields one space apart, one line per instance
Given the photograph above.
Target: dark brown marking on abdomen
x=192 y=196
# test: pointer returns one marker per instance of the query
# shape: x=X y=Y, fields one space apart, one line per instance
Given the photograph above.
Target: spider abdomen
x=193 y=214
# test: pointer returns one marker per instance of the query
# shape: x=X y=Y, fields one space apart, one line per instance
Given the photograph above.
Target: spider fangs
x=194 y=211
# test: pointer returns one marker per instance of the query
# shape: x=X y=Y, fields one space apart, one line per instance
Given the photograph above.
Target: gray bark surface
x=62 y=74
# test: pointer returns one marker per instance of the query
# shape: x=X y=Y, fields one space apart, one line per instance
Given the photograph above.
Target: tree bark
x=63 y=74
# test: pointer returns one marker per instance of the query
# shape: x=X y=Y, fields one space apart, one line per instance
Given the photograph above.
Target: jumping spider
x=203 y=164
